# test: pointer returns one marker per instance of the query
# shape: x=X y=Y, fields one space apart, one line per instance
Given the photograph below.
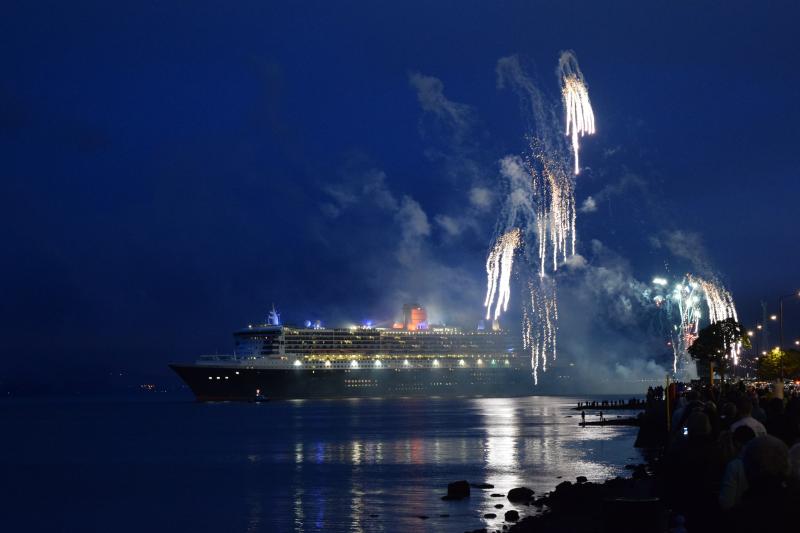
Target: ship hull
x=226 y=383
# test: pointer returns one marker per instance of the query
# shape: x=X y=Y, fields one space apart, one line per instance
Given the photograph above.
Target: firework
x=539 y=324
x=719 y=301
x=686 y=298
x=499 y=266
x=540 y=209
x=577 y=107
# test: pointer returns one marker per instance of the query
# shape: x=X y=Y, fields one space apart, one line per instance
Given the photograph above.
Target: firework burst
x=577 y=107
x=499 y=266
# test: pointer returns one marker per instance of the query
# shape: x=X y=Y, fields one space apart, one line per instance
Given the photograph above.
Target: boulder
x=457 y=490
x=490 y=515
x=563 y=486
x=581 y=479
x=520 y=494
x=498 y=506
x=512 y=516
x=498 y=495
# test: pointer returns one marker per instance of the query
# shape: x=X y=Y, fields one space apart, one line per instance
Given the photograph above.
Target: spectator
x=745 y=408
x=734 y=480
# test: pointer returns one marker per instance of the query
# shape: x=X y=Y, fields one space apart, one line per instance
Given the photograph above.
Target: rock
x=498 y=495
x=520 y=494
x=559 y=477
x=490 y=515
x=498 y=506
x=563 y=486
x=640 y=472
x=481 y=485
x=457 y=490
x=581 y=479
x=511 y=516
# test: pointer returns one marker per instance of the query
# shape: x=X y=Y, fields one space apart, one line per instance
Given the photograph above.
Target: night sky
x=169 y=170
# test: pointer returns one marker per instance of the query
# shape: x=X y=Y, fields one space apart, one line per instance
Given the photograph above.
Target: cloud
x=481 y=198
x=430 y=94
x=413 y=220
x=589 y=205
x=688 y=245
x=450 y=225
x=576 y=262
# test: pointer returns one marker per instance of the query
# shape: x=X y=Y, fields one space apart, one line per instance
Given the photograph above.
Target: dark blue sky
x=169 y=170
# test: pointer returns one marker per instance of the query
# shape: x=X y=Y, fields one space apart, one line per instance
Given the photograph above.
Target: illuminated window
x=327 y=364
x=435 y=362
x=461 y=362
x=237 y=372
x=378 y=364
x=354 y=364
x=209 y=377
x=297 y=363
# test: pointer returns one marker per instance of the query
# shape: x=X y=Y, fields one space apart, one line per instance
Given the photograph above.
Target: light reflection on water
x=506 y=442
x=358 y=466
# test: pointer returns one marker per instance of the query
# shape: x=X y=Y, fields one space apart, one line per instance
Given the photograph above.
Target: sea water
x=173 y=464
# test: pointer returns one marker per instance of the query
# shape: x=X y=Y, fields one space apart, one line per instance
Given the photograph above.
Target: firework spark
x=687 y=297
x=539 y=324
x=719 y=301
x=499 y=266
x=578 y=108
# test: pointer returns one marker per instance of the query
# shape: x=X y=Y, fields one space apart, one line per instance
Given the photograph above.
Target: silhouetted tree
x=714 y=342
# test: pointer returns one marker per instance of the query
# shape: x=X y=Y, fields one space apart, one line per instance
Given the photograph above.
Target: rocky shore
x=620 y=504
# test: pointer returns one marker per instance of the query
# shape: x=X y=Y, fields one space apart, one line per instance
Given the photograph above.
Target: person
x=583 y=418
x=734 y=479
x=693 y=468
x=601 y=417
x=794 y=463
x=768 y=504
x=745 y=409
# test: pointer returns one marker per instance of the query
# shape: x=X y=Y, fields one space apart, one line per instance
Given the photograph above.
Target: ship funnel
x=414 y=317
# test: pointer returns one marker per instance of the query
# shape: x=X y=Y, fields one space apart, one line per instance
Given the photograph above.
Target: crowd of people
x=732 y=461
x=632 y=403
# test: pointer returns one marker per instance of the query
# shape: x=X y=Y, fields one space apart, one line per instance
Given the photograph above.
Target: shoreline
x=619 y=504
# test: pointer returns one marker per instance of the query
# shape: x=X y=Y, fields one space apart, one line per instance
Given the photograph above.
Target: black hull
x=219 y=383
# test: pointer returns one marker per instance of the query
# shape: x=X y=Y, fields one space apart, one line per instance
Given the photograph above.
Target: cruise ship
x=410 y=359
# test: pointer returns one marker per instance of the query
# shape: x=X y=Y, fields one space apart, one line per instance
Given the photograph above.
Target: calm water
x=345 y=465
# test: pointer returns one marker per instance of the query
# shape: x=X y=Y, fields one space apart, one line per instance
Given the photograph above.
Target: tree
x=769 y=365
x=714 y=343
